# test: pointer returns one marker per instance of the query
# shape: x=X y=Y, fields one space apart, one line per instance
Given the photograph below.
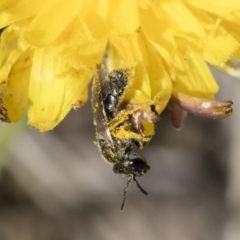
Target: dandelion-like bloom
x=49 y=51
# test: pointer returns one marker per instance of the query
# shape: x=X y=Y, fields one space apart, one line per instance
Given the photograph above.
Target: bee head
x=132 y=166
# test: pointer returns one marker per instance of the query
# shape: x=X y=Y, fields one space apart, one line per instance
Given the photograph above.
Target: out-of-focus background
x=55 y=186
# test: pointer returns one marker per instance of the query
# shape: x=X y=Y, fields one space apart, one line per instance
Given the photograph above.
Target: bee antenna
x=125 y=192
x=140 y=188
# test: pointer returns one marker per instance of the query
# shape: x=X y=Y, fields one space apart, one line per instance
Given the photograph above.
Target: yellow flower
x=49 y=51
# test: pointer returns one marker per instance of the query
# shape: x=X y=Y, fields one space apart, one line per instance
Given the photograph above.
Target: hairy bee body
x=115 y=132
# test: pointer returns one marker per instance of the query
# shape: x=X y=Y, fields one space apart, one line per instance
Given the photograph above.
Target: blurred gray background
x=55 y=186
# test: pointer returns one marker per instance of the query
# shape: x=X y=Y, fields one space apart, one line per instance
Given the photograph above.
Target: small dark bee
x=111 y=115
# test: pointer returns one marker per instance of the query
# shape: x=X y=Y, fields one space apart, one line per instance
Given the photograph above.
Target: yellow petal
x=50 y=21
x=97 y=10
x=14 y=73
x=10 y=51
x=234 y=29
x=194 y=77
x=83 y=25
x=84 y=34
x=159 y=80
x=11 y=10
x=54 y=87
x=145 y=4
x=123 y=17
x=219 y=43
x=161 y=36
x=79 y=37
x=220 y=46
x=216 y=7
x=126 y=53
x=140 y=90
x=15 y=94
x=178 y=18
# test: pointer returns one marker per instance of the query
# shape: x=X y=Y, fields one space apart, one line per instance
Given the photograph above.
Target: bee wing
x=100 y=117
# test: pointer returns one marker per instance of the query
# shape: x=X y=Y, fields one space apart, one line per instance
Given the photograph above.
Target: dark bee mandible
x=107 y=102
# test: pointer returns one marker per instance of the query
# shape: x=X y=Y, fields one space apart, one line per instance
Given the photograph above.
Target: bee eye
x=139 y=166
x=137 y=162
